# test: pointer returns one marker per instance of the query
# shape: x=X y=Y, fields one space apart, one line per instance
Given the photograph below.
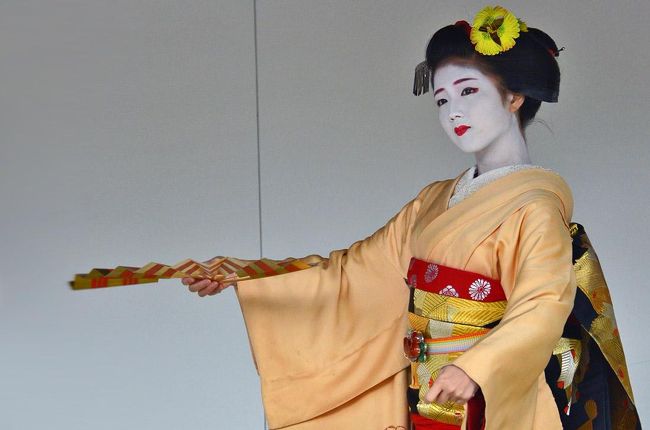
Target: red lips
x=461 y=129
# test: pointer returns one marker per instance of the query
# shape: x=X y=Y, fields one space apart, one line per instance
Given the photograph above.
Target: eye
x=441 y=102
x=468 y=91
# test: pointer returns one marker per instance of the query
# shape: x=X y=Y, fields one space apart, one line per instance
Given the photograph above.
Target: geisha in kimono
x=479 y=305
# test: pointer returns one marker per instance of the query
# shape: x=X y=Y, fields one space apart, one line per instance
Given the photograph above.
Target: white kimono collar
x=468 y=184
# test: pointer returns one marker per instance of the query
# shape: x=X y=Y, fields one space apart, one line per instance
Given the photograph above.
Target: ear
x=516 y=102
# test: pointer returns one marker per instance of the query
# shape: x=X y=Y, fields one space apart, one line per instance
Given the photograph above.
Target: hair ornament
x=465 y=26
x=423 y=71
x=495 y=29
x=422 y=78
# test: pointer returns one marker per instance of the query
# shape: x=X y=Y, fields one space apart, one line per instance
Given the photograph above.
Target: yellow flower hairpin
x=495 y=29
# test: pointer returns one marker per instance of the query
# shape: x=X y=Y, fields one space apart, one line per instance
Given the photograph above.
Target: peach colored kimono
x=327 y=341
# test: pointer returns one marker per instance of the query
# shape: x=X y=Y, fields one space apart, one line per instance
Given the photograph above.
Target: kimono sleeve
x=535 y=262
x=331 y=332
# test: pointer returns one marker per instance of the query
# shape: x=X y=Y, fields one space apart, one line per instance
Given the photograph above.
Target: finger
x=188 y=281
x=461 y=394
x=199 y=285
x=432 y=394
x=227 y=280
x=464 y=395
x=213 y=286
x=458 y=400
x=469 y=394
x=215 y=292
x=219 y=289
x=443 y=397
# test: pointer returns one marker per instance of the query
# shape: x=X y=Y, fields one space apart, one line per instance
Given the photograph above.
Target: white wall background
x=128 y=133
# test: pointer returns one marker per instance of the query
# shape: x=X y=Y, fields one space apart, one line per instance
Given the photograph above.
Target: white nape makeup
x=476 y=118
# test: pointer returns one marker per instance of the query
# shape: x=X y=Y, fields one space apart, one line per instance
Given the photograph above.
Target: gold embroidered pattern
x=591 y=281
x=457 y=310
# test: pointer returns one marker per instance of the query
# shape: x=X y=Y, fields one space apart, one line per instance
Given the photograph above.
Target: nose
x=455 y=115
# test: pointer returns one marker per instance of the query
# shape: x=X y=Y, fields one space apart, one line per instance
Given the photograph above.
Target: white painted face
x=471 y=110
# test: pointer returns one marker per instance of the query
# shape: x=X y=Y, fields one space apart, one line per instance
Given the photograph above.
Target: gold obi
x=446 y=319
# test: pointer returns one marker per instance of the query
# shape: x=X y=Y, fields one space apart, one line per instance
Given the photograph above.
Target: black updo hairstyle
x=529 y=68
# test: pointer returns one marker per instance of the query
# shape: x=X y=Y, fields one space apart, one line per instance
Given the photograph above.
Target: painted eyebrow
x=456 y=83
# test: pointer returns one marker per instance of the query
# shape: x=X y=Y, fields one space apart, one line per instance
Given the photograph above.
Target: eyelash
x=466 y=91
x=471 y=89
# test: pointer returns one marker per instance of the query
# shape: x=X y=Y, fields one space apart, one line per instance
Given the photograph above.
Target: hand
x=207 y=287
x=452 y=384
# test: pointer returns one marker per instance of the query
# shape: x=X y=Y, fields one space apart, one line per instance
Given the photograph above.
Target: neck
x=508 y=149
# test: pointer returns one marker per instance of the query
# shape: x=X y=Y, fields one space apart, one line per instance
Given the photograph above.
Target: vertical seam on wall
x=259 y=156
x=257 y=125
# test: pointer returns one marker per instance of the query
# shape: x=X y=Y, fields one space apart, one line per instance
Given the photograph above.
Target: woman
x=487 y=258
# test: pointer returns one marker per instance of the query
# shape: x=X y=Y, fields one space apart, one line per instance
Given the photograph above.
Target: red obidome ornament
x=415 y=348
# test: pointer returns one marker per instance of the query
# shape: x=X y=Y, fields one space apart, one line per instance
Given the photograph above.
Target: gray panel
x=344 y=143
x=128 y=134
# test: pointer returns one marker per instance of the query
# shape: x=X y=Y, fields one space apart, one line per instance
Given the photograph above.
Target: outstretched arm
x=391 y=240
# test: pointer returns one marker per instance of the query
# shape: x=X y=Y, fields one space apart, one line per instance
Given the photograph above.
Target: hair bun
x=545 y=40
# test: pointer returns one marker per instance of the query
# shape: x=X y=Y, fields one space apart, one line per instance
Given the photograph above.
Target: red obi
x=447 y=281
